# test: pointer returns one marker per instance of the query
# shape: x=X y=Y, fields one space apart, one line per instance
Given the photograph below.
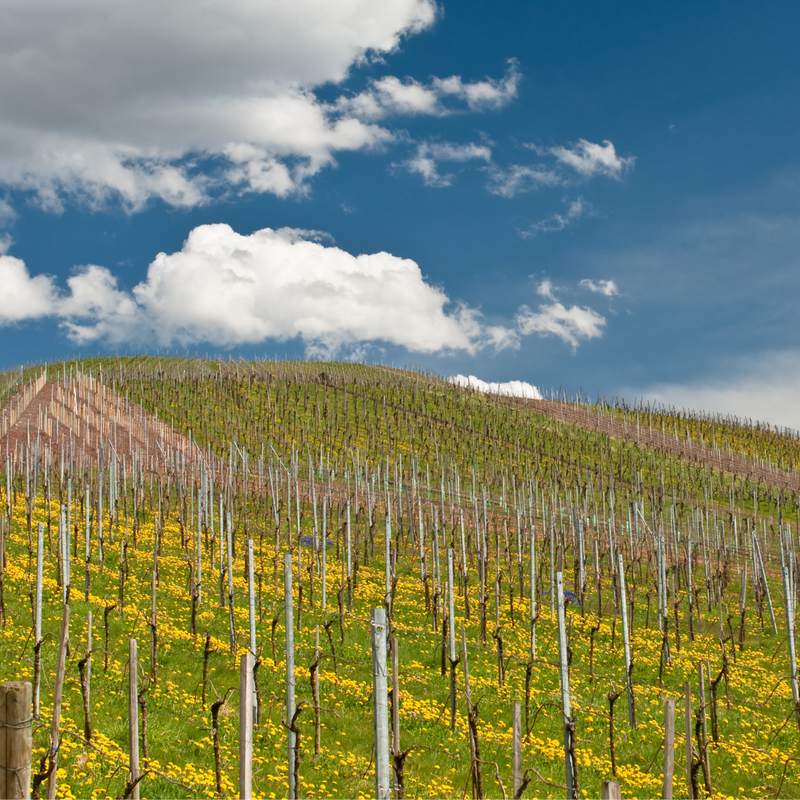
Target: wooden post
x=704 y=757
x=15 y=739
x=383 y=781
x=246 y=727
x=516 y=743
x=133 y=718
x=57 y=694
x=610 y=790
x=395 y=695
x=317 y=720
x=687 y=710
x=669 y=747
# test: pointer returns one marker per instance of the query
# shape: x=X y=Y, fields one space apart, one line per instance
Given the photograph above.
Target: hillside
x=368 y=476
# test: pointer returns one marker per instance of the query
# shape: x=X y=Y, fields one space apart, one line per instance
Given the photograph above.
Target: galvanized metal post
x=133 y=717
x=290 y=702
x=38 y=616
x=324 y=551
x=383 y=783
x=565 y=702
x=252 y=609
x=451 y=630
x=788 y=599
x=626 y=639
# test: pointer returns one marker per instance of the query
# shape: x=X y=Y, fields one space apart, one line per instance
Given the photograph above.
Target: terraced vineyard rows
x=159 y=474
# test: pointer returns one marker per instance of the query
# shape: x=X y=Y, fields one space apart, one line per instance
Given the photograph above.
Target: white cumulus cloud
x=229 y=289
x=568 y=324
x=390 y=95
x=430 y=154
x=586 y=158
x=23 y=297
x=509 y=388
x=141 y=100
x=607 y=288
x=589 y=159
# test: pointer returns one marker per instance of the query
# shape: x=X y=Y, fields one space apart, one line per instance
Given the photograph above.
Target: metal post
x=133 y=718
x=626 y=639
x=290 y=704
x=533 y=591
x=565 y=702
x=38 y=617
x=252 y=609
x=383 y=784
x=788 y=599
x=451 y=630
x=324 y=551
x=388 y=558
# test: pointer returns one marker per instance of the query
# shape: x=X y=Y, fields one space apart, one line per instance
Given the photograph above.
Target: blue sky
x=594 y=196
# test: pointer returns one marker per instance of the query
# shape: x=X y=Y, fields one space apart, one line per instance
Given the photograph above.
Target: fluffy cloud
x=557 y=222
x=390 y=95
x=23 y=297
x=228 y=289
x=430 y=154
x=138 y=100
x=568 y=324
x=518 y=178
x=590 y=159
x=509 y=388
x=586 y=158
x=607 y=288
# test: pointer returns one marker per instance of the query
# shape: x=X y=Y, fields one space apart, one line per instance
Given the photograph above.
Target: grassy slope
x=441 y=429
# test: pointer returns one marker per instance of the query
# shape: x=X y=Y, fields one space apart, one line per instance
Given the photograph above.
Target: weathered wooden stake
x=133 y=719
x=687 y=711
x=516 y=744
x=15 y=739
x=58 y=690
x=246 y=727
x=669 y=747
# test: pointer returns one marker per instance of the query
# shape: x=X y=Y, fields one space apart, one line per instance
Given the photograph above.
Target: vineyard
x=555 y=575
